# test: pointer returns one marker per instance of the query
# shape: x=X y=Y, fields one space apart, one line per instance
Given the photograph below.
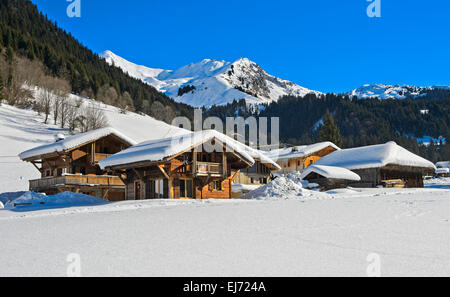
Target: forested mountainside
x=27 y=33
x=360 y=121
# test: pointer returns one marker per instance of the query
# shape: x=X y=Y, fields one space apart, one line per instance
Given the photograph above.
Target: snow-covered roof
x=299 y=151
x=331 y=172
x=162 y=149
x=442 y=170
x=374 y=156
x=444 y=164
x=73 y=142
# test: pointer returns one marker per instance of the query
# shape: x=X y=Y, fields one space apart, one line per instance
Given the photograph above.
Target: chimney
x=59 y=137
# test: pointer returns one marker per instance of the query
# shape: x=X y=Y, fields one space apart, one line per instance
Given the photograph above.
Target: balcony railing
x=75 y=180
x=209 y=169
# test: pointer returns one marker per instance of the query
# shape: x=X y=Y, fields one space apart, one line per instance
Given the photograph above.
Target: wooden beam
x=194 y=162
x=137 y=173
x=171 y=192
x=122 y=179
x=105 y=194
x=93 y=153
x=234 y=176
x=34 y=164
x=161 y=167
x=224 y=165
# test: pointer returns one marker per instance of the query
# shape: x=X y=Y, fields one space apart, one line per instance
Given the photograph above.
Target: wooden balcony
x=76 y=180
x=209 y=169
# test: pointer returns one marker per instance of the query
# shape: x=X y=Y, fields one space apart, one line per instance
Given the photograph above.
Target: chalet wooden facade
x=181 y=167
x=388 y=165
x=298 y=158
x=71 y=164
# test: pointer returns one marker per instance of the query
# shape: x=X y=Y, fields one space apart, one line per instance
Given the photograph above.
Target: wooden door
x=137 y=190
x=186 y=188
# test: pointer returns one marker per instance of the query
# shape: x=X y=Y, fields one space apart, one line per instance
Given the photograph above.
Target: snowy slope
x=21 y=130
x=383 y=91
x=331 y=234
x=215 y=82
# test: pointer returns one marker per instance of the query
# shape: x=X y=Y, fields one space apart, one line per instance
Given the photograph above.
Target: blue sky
x=326 y=45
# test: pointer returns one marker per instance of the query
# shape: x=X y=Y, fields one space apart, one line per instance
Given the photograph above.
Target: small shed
x=330 y=177
x=386 y=164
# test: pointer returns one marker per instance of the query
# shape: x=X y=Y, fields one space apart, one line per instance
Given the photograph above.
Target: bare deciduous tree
x=92 y=117
x=107 y=95
x=45 y=103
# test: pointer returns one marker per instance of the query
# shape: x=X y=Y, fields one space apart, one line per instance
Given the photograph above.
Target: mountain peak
x=213 y=82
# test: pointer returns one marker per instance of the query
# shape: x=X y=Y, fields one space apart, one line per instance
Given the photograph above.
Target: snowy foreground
x=318 y=234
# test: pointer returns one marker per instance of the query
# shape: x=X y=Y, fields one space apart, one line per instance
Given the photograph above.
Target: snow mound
x=284 y=187
x=7 y=197
x=66 y=199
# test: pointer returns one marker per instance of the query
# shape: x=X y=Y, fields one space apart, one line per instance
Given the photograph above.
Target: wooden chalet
x=71 y=164
x=388 y=165
x=298 y=158
x=198 y=165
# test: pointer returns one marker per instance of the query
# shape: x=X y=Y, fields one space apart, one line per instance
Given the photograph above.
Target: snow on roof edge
x=374 y=156
x=299 y=151
x=162 y=149
x=331 y=172
x=73 y=141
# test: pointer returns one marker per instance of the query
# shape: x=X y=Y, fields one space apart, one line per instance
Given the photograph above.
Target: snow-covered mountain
x=383 y=91
x=212 y=82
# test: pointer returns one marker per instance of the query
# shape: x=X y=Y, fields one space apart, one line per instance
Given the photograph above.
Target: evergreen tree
x=329 y=131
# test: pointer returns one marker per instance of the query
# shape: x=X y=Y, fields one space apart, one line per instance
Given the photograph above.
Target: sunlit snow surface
x=313 y=234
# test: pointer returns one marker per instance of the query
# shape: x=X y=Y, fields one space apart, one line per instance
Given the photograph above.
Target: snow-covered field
x=323 y=234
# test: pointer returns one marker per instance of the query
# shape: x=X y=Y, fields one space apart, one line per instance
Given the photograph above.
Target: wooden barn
x=329 y=177
x=388 y=165
x=71 y=164
x=197 y=165
x=298 y=158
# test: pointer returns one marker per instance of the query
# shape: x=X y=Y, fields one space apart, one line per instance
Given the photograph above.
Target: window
x=155 y=189
x=215 y=186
